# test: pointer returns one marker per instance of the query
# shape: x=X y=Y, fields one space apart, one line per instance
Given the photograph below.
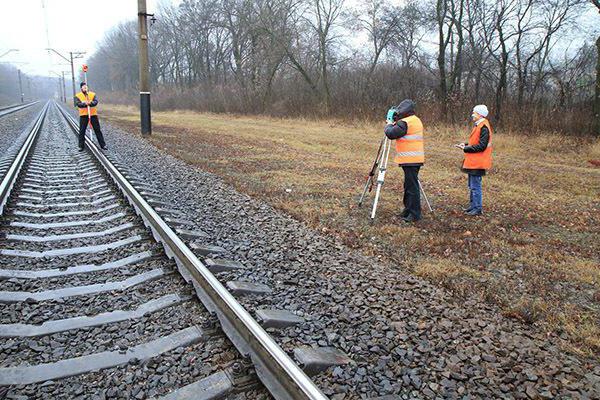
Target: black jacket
x=484 y=138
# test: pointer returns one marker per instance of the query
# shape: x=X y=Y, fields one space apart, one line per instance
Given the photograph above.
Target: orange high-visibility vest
x=90 y=97
x=481 y=160
x=410 y=148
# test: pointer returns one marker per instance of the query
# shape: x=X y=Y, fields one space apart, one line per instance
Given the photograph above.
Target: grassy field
x=535 y=253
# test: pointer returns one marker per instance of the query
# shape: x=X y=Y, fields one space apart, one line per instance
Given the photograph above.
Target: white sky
x=72 y=26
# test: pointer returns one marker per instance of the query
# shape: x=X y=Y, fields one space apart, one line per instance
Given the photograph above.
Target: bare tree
x=571 y=75
x=457 y=13
x=597 y=88
x=442 y=12
x=525 y=24
x=479 y=27
x=325 y=15
x=282 y=56
x=412 y=26
x=380 y=20
x=502 y=16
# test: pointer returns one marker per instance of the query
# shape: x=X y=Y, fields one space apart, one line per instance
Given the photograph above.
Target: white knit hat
x=481 y=109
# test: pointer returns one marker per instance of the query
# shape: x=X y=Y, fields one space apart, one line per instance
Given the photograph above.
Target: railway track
x=101 y=296
x=14 y=108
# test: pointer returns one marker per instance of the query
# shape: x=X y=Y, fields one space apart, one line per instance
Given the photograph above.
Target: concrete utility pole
x=20 y=86
x=63 y=86
x=61 y=93
x=73 y=55
x=144 y=69
x=72 y=77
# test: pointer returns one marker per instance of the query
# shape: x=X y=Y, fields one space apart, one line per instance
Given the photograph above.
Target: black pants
x=83 y=122
x=412 y=194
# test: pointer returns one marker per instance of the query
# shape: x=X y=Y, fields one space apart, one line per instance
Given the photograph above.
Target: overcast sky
x=72 y=26
x=78 y=25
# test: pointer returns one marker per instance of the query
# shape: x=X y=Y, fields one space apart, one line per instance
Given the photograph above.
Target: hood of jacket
x=406 y=108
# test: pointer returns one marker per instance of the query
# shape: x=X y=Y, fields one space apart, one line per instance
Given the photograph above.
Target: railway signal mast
x=144 y=68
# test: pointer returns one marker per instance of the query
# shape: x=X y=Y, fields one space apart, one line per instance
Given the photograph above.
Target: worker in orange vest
x=86 y=100
x=407 y=130
x=478 y=157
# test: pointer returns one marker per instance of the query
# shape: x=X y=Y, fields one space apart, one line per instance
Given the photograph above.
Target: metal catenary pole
x=64 y=91
x=146 y=123
x=20 y=86
x=72 y=55
x=72 y=76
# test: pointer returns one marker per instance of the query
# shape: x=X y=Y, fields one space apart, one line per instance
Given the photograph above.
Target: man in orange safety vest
x=86 y=101
x=407 y=130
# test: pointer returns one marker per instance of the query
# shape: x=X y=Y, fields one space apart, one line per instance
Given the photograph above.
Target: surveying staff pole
x=144 y=70
x=85 y=69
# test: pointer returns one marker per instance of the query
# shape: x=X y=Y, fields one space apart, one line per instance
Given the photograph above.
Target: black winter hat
x=81 y=84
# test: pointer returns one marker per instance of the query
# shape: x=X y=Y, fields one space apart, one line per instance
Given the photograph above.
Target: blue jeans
x=476 y=196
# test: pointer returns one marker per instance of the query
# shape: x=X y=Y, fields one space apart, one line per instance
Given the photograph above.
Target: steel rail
x=14 y=108
x=13 y=172
x=277 y=371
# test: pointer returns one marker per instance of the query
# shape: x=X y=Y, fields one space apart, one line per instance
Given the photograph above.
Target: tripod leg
x=425 y=196
x=376 y=201
x=381 y=176
x=365 y=190
x=368 y=185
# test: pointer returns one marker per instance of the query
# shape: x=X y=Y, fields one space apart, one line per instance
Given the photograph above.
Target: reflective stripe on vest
x=411 y=137
x=481 y=160
x=411 y=153
x=90 y=97
x=410 y=148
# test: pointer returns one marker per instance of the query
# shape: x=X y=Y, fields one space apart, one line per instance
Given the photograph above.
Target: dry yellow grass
x=535 y=252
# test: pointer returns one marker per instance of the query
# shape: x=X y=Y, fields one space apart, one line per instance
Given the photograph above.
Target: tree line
x=33 y=87
x=528 y=60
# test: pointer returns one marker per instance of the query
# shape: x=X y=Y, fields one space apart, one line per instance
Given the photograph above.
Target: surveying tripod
x=380 y=167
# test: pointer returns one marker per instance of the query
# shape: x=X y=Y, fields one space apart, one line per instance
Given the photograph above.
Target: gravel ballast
x=13 y=127
x=405 y=336
x=173 y=348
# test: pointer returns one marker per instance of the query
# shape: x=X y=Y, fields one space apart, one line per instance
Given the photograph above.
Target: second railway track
x=92 y=307
x=14 y=108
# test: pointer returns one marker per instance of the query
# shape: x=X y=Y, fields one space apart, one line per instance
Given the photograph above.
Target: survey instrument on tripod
x=371 y=176
x=380 y=167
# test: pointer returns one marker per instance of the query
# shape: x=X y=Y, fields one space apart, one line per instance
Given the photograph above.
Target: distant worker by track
x=87 y=102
